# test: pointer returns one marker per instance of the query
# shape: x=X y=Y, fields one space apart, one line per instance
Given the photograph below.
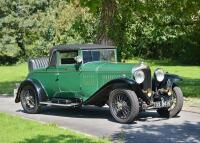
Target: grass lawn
x=14 y=129
x=9 y=75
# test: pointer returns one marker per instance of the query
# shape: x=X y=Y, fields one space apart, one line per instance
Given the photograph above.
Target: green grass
x=9 y=75
x=14 y=129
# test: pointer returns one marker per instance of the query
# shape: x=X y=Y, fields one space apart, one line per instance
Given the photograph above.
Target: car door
x=68 y=78
x=48 y=77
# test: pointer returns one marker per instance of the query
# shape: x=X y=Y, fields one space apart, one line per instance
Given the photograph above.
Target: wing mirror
x=78 y=59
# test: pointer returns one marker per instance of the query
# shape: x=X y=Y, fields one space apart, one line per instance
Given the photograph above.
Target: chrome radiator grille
x=147 y=84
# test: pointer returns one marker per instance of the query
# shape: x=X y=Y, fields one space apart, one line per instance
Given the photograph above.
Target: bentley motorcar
x=77 y=75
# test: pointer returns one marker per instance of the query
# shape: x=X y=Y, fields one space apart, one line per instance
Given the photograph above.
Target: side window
x=67 y=57
x=107 y=55
x=96 y=55
x=87 y=56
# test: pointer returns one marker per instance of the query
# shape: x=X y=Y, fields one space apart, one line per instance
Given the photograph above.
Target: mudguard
x=102 y=95
x=170 y=80
x=173 y=77
x=41 y=93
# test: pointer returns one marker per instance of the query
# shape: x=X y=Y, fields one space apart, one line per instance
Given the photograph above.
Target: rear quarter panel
x=47 y=79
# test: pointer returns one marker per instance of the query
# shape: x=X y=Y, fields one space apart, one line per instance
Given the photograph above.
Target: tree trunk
x=107 y=16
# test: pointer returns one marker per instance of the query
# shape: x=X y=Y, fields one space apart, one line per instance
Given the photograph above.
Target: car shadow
x=186 y=132
x=95 y=112
x=84 y=112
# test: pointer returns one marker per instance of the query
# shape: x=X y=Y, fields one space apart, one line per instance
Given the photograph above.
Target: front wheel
x=124 y=105
x=176 y=106
x=29 y=99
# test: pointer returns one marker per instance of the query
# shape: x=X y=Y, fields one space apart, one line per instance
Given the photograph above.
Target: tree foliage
x=156 y=29
x=29 y=28
x=152 y=28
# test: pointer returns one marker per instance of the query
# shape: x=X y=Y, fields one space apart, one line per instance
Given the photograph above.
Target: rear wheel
x=176 y=106
x=124 y=105
x=29 y=99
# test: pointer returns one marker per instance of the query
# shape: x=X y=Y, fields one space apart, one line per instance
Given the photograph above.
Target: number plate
x=161 y=104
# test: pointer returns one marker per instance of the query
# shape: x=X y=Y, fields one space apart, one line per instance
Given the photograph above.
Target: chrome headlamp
x=139 y=76
x=159 y=74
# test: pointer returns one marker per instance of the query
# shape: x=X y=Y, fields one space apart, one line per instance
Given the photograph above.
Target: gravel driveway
x=97 y=121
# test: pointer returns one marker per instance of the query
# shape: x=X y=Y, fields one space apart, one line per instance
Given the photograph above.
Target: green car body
x=89 y=74
x=82 y=83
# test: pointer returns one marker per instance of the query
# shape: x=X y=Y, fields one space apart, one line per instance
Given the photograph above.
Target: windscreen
x=67 y=57
x=99 y=55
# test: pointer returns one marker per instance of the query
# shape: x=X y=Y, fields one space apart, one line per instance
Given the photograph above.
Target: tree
x=146 y=28
x=28 y=28
x=151 y=29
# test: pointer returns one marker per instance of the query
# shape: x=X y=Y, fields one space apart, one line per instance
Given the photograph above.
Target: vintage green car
x=89 y=74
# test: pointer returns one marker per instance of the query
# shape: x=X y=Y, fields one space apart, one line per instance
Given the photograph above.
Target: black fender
x=101 y=96
x=41 y=93
x=170 y=80
x=173 y=77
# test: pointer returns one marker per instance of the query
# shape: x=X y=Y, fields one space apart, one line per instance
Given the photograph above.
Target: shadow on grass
x=8 y=87
x=190 y=87
x=58 y=139
x=186 y=132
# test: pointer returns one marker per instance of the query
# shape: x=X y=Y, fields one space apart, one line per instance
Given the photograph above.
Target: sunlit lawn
x=14 y=129
x=9 y=75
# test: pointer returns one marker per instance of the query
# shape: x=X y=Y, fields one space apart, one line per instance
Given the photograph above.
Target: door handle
x=57 y=78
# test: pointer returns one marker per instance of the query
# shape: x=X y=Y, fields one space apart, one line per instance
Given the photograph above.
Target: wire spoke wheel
x=124 y=105
x=121 y=106
x=29 y=100
x=176 y=104
x=173 y=101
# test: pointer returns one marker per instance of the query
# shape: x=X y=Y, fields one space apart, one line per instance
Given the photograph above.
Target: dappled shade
x=186 y=132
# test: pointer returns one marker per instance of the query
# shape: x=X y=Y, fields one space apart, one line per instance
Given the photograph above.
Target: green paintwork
x=68 y=81
x=95 y=74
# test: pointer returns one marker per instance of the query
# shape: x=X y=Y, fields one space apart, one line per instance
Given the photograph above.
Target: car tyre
x=124 y=105
x=173 y=112
x=29 y=99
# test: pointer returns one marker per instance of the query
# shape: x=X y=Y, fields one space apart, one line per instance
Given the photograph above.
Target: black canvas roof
x=71 y=47
x=81 y=46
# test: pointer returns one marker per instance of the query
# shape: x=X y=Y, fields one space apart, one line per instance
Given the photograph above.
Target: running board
x=63 y=105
